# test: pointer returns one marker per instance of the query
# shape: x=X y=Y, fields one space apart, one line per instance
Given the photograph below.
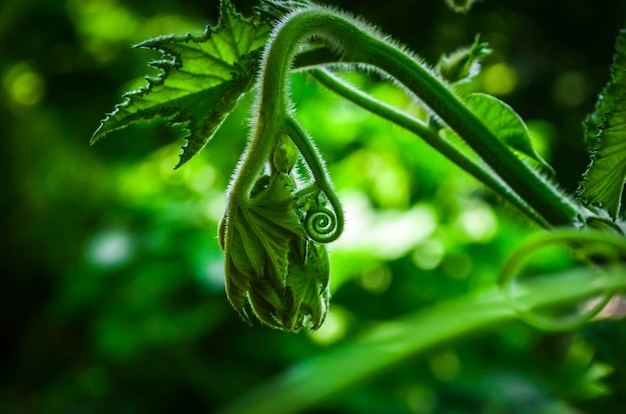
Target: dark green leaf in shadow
x=613 y=89
x=603 y=182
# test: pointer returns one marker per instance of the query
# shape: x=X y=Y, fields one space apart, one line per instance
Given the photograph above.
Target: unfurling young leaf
x=203 y=77
x=464 y=64
x=270 y=260
x=603 y=182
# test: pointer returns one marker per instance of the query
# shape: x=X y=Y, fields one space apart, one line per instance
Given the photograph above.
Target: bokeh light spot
x=25 y=87
x=376 y=280
x=386 y=234
x=478 y=223
x=445 y=366
x=570 y=89
x=429 y=254
x=213 y=275
x=499 y=79
x=110 y=248
x=333 y=329
x=380 y=174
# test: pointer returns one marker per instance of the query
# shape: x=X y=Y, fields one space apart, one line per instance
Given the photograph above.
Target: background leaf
x=603 y=182
x=201 y=81
x=507 y=125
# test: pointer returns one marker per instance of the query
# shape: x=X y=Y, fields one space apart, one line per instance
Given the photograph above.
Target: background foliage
x=112 y=295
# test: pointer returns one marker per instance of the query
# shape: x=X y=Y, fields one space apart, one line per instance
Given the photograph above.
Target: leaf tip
x=182 y=160
x=98 y=134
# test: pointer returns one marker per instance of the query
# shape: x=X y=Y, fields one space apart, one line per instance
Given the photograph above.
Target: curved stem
x=357 y=43
x=313 y=160
x=271 y=119
x=429 y=135
x=601 y=254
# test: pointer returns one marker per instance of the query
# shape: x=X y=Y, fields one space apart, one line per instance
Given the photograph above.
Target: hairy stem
x=356 y=43
x=322 y=181
x=429 y=135
x=271 y=119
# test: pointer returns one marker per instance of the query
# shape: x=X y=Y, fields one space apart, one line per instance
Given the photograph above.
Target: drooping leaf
x=507 y=125
x=258 y=237
x=308 y=279
x=263 y=228
x=603 y=182
x=203 y=77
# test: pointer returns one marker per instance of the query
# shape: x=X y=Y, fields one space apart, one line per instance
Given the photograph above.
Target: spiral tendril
x=320 y=225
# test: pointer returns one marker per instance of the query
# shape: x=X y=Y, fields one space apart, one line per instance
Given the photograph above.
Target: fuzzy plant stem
x=429 y=135
x=355 y=42
x=272 y=118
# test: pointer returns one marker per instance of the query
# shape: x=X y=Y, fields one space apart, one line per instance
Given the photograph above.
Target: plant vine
x=282 y=208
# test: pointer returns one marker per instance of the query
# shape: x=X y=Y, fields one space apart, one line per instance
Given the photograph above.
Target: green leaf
x=308 y=280
x=603 y=182
x=263 y=229
x=507 y=125
x=203 y=77
x=611 y=92
x=270 y=261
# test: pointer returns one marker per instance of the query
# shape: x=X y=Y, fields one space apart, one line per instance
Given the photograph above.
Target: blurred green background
x=112 y=290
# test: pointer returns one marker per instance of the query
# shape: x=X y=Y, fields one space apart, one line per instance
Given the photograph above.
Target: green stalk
x=356 y=43
x=318 y=170
x=429 y=135
x=309 y=382
x=271 y=120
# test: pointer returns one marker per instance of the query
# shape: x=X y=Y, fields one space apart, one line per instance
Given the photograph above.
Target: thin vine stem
x=429 y=135
x=602 y=254
x=355 y=43
x=314 y=162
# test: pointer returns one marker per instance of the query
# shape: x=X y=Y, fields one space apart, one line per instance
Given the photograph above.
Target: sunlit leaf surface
x=203 y=77
x=507 y=125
